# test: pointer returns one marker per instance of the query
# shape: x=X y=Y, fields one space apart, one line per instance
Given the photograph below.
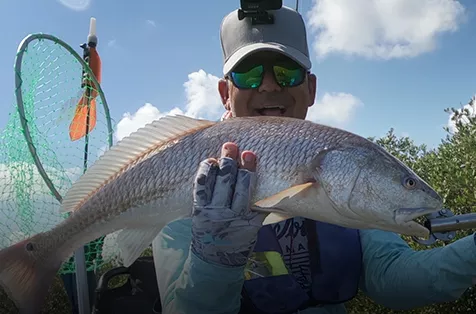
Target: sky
x=380 y=64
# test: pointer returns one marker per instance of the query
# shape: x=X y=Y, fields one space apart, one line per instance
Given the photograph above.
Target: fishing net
x=37 y=169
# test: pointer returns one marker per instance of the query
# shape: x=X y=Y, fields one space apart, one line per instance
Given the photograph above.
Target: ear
x=224 y=93
x=312 y=86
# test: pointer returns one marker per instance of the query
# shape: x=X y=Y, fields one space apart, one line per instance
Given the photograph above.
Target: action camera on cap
x=257 y=10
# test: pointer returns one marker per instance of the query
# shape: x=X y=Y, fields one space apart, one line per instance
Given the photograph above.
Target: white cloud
x=24 y=174
x=27 y=206
x=101 y=150
x=112 y=43
x=146 y=114
x=470 y=107
x=203 y=101
x=381 y=29
x=151 y=23
x=335 y=109
x=77 y=5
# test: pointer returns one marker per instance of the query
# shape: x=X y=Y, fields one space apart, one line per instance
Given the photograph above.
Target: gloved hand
x=224 y=229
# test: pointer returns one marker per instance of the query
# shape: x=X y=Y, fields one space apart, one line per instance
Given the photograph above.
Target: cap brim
x=244 y=52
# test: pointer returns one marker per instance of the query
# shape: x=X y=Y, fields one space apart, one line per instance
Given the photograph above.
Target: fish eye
x=409 y=183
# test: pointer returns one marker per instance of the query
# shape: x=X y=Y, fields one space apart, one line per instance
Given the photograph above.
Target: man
x=221 y=261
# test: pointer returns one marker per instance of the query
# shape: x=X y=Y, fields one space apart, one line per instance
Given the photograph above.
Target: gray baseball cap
x=287 y=35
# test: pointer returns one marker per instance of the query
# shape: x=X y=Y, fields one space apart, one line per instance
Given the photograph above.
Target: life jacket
x=335 y=258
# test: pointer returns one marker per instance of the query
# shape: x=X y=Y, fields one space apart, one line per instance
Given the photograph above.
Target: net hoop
x=21 y=110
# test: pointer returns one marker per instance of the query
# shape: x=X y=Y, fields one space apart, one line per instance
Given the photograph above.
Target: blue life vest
x=335 y=260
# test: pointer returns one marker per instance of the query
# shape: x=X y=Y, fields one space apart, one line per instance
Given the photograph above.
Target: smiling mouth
x=272 y=111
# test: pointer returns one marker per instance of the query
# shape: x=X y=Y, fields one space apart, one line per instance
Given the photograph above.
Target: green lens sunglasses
x=253 y=78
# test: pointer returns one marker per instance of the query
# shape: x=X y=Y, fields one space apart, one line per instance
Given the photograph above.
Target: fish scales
x=145 y=181
x=168 y=173
x=165 y=178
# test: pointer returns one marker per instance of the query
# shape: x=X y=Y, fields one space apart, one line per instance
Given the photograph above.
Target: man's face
x=270 y=98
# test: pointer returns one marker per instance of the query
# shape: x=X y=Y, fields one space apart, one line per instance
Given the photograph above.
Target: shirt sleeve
x=400 y=278
x=187 y=284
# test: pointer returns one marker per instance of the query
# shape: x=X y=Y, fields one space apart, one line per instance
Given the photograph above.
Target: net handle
x=21 y=109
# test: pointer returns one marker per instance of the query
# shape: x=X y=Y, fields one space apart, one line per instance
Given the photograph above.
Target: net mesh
x=51 y=79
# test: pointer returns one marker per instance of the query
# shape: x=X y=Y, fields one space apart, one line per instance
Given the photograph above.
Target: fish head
x=369 y=188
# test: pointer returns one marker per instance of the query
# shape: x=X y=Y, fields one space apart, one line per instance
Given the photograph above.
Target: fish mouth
x=415 y=219
x=271 y=111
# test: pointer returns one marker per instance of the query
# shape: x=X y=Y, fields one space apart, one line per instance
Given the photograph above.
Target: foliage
x=451 y=170
x=403 y=148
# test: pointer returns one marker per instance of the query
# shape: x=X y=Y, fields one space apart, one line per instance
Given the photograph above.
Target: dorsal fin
x=126 y=151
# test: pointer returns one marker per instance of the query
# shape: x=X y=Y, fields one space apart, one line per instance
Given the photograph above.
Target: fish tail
x=25 y=278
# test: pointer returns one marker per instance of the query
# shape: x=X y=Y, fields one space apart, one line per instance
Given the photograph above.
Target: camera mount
x=257 y=10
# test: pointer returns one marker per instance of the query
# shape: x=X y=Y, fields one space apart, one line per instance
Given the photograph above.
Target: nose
x=269 y=83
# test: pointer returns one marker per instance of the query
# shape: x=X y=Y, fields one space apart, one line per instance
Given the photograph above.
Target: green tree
x=404 y=148
x=451 y=170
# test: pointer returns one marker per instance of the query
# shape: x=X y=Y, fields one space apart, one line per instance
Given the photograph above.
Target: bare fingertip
x=248 y=156
x=229 y=149
x=248 y=160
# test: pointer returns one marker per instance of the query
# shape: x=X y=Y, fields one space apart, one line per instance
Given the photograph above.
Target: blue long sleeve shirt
x=393 y=274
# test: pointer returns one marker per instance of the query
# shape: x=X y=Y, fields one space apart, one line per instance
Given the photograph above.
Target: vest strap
x=335 y=260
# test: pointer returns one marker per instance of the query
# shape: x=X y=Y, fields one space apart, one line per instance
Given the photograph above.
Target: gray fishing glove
x=223 y=227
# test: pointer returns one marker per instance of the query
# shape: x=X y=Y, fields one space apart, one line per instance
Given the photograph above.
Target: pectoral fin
x=284 y=196
x=274 y=218
x=278 y=204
